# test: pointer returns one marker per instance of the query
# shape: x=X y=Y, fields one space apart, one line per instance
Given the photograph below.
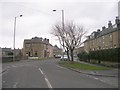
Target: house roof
x=111 y=28
x=37 y=40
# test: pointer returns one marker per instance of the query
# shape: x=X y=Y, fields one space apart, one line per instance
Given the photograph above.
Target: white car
x=64 y=57
x=57 y=56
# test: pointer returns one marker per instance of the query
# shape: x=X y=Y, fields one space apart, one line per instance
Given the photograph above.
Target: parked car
x=64 y=57
x=57 y=56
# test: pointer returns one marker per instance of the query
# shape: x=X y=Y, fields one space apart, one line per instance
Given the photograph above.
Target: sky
x=38 y=17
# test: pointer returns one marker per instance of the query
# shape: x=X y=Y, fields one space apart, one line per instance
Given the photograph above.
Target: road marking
x=15 y=85
x=40 y=71
x=60 y=67
x=89 y=76
x=47 y=81
x=92 y=77
x=102 y=81
x=96 y=78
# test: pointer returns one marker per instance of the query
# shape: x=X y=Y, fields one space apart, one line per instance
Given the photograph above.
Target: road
x=47 y=74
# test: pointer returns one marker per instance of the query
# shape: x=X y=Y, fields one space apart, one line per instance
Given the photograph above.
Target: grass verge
x=77 y=65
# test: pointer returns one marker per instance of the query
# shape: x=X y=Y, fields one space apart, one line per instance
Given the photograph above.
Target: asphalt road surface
x=47 y=74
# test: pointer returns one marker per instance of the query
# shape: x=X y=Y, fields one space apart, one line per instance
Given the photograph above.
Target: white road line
x=96 y=78
x=60 y=67
x=92 y=77
x=47 y=81
x=102 y=80
x=89 y=76
x=40 y=71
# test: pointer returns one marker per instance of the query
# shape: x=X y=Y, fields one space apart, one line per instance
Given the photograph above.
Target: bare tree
x=60 y=33
x=70 y=37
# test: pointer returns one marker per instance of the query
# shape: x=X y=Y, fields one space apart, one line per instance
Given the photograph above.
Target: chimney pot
x=47 y=40
x=109 y=24
x=117 y=20
x=103 y=28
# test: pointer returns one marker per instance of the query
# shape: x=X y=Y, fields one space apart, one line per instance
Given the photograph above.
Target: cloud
x=38 y=17
x=58 y=1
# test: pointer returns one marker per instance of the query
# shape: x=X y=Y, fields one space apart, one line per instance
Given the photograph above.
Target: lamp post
x=14 y=36
x=62 y=11
x=62 y=17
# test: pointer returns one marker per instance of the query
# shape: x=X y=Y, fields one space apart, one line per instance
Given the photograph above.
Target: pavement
x=113 y=72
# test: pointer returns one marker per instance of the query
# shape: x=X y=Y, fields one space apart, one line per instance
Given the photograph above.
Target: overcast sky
x=38 y=17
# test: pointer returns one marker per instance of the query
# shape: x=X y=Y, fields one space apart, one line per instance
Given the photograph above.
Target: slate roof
x=104 y=32
x=37 y=40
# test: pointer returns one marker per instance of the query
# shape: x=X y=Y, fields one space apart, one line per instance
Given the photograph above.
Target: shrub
x=112 y=55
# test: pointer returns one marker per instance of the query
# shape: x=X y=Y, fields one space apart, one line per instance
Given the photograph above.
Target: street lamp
x=62 y=17
x=62 y=24
x=14 y=36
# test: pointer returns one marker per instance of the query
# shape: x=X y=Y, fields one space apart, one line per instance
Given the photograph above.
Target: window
x=103 y=37
x=110 y=36
x=99 y=40
x=27 y=45
x=114 y=45
x=36 y=53
x=28 y=53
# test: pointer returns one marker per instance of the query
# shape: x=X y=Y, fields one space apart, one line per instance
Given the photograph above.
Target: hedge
x=112 y=55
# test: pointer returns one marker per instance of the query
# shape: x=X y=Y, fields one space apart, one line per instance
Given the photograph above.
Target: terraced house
x=106 y=38
x=37 y=47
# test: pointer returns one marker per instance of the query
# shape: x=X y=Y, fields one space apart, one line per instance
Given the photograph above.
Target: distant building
x=7 y=52
x=37 y=47
x=104 y=39
x=78 y=50
x=57 y=51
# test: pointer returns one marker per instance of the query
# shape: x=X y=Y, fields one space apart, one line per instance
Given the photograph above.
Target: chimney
x=98 y=30
x=103 y=28
x=47 y=40
x=88 y=37
x=109 y=24
x=41 y=38
x=117 y=21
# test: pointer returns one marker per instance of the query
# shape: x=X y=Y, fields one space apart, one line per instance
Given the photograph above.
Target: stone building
x=57 y=51
x=7 y=52
x=37 y=47
x=78 y=50
x=104 y=39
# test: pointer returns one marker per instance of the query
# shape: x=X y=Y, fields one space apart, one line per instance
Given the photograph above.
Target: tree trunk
x=68 y=54
x=71 y=52
x=99 y=61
